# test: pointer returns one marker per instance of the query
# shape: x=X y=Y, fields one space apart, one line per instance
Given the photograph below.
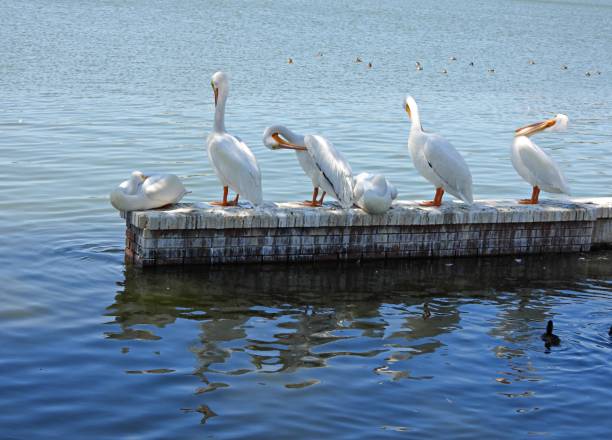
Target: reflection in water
x=283 y=318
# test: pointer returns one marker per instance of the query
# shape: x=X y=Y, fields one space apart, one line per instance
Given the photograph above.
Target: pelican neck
x=219 y=125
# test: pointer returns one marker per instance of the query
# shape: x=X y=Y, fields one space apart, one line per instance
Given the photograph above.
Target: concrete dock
x=289 y=232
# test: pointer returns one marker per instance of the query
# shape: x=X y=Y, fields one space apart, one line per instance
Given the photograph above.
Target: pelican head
x=139 y=176
x=410 y=106
x=279 y=136
x=219 y=81
x=558 y=123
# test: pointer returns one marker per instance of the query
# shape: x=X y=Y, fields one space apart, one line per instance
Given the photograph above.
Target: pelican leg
x=314 y=201
x=321 y=199
x=535 y=194
x=437 y=201
x=225 y=202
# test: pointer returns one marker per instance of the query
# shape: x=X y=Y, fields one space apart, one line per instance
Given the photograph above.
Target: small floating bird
x=588 y=74
x=232 y=160
x=147 y=192
x=319 y=54
x=533 y=164
x=418 y=66
x=531 y=62
x=426 y=311
x=327 y=168
x=373 y=193
x=453 y=58
x=471 y=63
x=290 y=61
x=564 y=67
x=437 y=160
x=358 y=60
x=549 y=338
x=370 y=65
x=444 y=71
x=491 y=70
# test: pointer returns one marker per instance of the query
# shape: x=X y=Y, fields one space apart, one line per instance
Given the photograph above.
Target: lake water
x=90 y=90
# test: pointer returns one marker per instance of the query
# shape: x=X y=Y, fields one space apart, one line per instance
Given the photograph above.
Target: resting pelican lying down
x=374 y=193
x=147 y=192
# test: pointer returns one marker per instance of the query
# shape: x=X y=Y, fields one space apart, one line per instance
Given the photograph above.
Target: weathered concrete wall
x=189 y=234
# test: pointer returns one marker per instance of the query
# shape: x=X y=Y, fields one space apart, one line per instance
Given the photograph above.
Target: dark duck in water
x=549 y=337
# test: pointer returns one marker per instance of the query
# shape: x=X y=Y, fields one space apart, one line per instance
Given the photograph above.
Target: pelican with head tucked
x=232 y=160
x=327 y=168
x=533 y=164
x=147 y=192
x=437 y=160
x=374 y=193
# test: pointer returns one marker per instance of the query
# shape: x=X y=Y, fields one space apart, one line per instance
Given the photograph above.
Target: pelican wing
x=235 y=164
x=166 y=188
x=449 y=166
x=546 y=172
x=336 y=176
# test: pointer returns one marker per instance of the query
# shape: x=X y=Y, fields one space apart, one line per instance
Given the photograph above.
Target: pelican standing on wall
x=533 y=164
x=437 y=160
x=327 y=168
x=232 y=160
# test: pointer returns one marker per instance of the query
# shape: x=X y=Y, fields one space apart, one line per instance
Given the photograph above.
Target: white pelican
x=437 y=160
x=232 y=160
x=326 y=166
x=147 y=192
x=374 y=193
x=533 y=164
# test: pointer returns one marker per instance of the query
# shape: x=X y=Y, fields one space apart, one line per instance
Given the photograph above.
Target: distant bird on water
x=453 y=58
x=531 y=62
x=444 y=71
x=610 y=331
x=358 y=60
x=290 y=61
x=491 y=70
x=564 y=67
x=319 y=54
x=471 y=64
x=549 y=338
x=370 y=65
x=418 y=66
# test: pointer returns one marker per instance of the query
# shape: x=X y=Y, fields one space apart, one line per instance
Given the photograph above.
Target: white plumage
x=533 y=164
x=141 y=192
x=437 y=160
x=374 y=193
x=232 y=160
x=326 y=166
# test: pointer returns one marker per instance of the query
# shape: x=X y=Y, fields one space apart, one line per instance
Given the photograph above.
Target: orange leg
x=314 y=201
x=321 y=199
x=225 y=202
x=535 y=194
x=437 y=201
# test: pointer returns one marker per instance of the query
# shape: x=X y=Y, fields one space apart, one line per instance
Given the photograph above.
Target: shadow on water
x=310 y=309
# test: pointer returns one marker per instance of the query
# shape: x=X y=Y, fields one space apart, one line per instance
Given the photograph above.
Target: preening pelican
x=437 y=160
x=533 y=164
x=374 y=193
x=147 y=192
x=232 y=160
x=327 y=168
